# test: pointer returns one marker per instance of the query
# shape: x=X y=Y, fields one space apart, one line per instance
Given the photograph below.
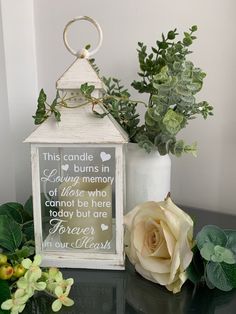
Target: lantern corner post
x=36 y=198
x=120 y=203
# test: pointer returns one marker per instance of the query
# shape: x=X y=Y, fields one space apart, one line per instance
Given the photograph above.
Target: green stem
x=27 y=222
x=63 y=104
x=122 y=98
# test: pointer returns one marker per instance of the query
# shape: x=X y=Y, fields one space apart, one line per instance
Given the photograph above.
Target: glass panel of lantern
x=78 y=185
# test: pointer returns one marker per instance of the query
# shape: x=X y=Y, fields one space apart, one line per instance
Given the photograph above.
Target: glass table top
x=118 y=292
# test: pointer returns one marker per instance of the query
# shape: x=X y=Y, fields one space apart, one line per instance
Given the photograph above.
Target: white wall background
x=35 y=57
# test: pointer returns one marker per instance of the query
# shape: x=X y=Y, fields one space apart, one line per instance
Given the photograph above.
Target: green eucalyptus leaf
x=231 y=240
x=228 y=257
x=183 y=91
x=10 y=234
x=221 y=275
x=187 y=41
x=222 y=254
x=13 y=210
x=192 y=149
x=149 y=120
x=172 y=121
x=207 y=250
x=177 y=148
x=211 y=234
x=194 y=28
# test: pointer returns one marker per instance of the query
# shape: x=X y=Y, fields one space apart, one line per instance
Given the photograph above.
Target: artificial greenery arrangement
x=214 y=259
x=20 y=274
x=171 y=83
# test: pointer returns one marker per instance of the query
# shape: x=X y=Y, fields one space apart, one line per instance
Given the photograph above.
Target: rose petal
x=161 y=279
x=175 y=263
x=149 y=209
x=128 y=218
x=186 y=254
x=139 y=236
x=170 y=206
x=154 y=264
x=162 y=251
x=129 y=247
x=161 y=248
x=172 y=222
x=169 y=238
x=175 y=287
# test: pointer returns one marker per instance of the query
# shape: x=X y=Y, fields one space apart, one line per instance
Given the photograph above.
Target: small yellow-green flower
x=29 y=284
x=54 y=278
x=33 y=267
x=17 y=303
x=62 y=299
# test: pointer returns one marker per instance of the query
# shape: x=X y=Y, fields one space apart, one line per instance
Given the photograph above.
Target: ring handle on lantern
x=83 y=53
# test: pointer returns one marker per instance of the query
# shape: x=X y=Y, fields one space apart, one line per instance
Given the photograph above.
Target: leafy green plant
x=171 y=83
x=16 y=231
x=50 y=281
x=214 y=260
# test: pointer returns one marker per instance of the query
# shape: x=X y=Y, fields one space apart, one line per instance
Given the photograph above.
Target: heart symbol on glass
x=104 y=227
x=65 y=167
x=104 y=156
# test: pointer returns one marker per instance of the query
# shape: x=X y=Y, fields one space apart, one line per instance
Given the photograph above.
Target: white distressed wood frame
x=78 y=259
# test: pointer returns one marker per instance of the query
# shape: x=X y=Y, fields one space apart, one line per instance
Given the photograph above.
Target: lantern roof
x=79 y=126
x=78 y=73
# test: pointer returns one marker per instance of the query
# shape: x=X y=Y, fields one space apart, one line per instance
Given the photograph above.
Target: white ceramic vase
x=147 y=176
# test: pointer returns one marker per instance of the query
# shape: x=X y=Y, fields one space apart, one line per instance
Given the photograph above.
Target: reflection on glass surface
x=126 y=292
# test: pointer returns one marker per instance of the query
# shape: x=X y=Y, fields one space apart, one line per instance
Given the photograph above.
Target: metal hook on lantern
x=83 y=53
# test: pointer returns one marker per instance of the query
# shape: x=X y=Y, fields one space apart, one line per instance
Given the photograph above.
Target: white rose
x=159 y=239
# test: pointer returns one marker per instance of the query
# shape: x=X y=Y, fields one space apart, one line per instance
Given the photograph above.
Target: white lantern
x=78 y=178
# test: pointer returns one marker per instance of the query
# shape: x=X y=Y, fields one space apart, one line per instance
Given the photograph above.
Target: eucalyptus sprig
x=214 y=259
x=171 y=82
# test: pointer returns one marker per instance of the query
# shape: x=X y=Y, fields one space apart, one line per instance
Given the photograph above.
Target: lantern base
x=86 y=263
